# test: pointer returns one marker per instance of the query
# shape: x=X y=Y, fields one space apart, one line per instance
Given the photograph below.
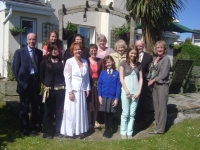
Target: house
x=20 y=13
x=196 y=38
x=42 y=16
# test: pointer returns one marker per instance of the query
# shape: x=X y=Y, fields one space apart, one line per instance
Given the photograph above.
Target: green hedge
x=192 y=52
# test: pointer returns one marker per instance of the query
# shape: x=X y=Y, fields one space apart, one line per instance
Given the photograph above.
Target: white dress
x=75 y=117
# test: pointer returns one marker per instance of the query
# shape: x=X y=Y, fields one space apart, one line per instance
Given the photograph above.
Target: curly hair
x=73 y=45
x=106 y=59
x=128 y=61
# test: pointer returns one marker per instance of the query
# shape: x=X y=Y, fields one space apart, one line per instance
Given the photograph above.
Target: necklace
x=79 y=62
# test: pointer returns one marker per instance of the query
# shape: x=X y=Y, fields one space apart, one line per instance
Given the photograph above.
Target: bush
x=189 y=51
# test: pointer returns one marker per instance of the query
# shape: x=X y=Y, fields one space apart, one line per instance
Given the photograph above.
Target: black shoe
x=105 y=133
x=25 y=132
x=59 y=135
x=82 y=136
x=109 y=134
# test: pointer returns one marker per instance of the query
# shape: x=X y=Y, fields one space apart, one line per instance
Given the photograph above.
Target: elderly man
x=145 y=59
x=26 y=70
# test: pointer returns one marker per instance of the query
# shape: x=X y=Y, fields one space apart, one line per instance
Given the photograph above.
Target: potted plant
x=16 y=30
x=69 y=31
x=122 y=32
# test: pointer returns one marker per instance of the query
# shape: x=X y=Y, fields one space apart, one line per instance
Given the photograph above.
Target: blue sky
x=190 y=17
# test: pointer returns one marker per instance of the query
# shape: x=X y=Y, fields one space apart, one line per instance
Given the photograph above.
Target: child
x=109 y=92
x=131 y=80
x=52 y=40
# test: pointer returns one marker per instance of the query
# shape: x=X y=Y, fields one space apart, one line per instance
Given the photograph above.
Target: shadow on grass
x=9 y=125
x=172 y=112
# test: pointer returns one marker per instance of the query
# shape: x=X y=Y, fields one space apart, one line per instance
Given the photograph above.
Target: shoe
x=105 y=133
x=82 y=136
x=59 y=135
x=25 y=132
x=129 y=137
x=123 y=137
x=109 y=134
x=97 y=125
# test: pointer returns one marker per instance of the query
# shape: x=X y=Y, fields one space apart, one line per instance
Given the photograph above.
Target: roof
x=196 y=35
x=32 y=2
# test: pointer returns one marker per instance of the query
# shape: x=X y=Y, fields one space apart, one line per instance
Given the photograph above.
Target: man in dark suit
x=145 y=59
x=26 y=70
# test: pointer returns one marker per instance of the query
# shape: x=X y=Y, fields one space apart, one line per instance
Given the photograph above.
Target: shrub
x=189 y=52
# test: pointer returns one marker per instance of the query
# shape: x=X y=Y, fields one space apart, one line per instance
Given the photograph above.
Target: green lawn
x=184 y=136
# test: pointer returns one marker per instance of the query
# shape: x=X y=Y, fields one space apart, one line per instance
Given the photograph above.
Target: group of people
x=88 y=84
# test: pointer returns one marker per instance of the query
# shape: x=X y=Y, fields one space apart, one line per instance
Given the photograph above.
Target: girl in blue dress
x=108 y=91
x=131 y=80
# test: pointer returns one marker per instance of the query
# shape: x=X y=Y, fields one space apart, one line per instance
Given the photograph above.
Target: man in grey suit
x=26 y=70
x=145 y=59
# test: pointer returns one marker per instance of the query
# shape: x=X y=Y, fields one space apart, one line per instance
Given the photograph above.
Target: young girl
x=131 y=80
x=52 y=40
x=108 y=91
x=94 y=64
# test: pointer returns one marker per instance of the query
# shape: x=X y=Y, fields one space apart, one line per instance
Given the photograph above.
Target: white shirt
x=111 y=70
x=141 y=56
x=31 y=53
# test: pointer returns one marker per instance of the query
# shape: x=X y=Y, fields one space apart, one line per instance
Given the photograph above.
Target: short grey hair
x=101 y=37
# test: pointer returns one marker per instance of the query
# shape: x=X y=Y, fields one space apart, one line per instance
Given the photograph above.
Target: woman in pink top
x=52 y=39
x=103 y=51
x=94 y=64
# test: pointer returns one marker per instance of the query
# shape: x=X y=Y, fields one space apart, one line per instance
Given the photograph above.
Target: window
x=88 y=35
x=30 y=25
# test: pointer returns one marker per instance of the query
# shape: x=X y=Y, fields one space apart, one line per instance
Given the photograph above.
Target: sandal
x=97 y=125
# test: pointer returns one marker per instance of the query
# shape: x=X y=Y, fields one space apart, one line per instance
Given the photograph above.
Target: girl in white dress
x=76 y=73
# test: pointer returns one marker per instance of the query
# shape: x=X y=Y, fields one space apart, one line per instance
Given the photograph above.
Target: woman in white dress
x=76 y=73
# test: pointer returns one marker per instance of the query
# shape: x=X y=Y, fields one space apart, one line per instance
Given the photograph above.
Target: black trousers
x=31 y=96
x=53 y=111
x=108 y=118
x=140 y=111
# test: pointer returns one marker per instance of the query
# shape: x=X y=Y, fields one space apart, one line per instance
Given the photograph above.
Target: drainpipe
x=3 y=40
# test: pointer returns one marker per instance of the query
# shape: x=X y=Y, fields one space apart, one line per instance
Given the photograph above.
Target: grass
x=183 y=136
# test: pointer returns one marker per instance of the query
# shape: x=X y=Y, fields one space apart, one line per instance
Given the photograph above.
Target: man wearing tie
x=26 y=70
x=145 y=59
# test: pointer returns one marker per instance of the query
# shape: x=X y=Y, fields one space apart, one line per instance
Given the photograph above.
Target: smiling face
x=109 y=64
x=78 y=39
x=133 y=54
x=55 y=52
x=160 y=50
x=53 y=37
x=120 y=49
x=93 y=52
x=31 y=40
x=102 y=43
x=77 y=51
x=139 y=45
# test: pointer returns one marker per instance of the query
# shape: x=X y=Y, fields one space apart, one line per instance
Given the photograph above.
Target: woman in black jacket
x=51 y=75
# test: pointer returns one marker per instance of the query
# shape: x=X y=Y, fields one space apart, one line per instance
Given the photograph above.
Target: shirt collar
x=142 y=53
x=29 y=49
x=111 y=70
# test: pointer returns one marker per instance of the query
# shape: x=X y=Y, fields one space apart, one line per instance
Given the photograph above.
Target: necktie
x=33 y=61
x=109 y=72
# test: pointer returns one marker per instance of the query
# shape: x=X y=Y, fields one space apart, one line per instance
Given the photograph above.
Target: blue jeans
x=128 y=115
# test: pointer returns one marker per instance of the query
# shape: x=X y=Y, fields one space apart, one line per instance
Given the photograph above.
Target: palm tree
x=154 y=14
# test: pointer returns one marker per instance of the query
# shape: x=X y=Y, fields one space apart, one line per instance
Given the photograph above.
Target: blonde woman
x=159 y=81
x=119 y=55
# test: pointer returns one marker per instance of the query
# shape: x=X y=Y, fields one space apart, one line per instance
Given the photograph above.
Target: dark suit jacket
x=146 y=60
x=22 y=65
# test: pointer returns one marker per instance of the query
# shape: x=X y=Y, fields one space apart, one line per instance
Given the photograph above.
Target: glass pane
x=29 y=28
x=85 y=32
